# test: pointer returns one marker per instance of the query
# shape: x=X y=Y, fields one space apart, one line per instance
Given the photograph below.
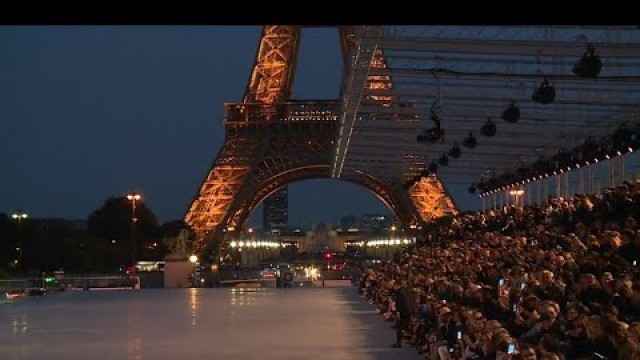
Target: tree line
x=107 y=244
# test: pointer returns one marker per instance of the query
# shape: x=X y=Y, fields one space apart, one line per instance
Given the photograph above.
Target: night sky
x=93 y=112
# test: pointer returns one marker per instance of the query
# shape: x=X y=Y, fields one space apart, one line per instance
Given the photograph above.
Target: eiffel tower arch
x=272 y=140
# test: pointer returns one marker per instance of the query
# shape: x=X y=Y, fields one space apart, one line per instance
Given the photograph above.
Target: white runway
x=193 y=324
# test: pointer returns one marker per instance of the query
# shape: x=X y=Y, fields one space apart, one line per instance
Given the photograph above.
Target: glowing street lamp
x=19 y=216
x=193 y=259
x=133 y=197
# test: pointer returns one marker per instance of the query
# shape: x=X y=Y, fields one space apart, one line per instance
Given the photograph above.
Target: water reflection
x=135 y=323
x=246 y=296
x=193 y=300
x=193 y=324
x=20 y=323
x=135 y=348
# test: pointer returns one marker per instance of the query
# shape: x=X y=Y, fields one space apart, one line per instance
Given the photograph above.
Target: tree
x=7 y=244
x=113 y=222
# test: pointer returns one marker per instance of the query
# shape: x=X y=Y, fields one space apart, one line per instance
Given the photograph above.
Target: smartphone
x=522 y=286
x=635 y=262
x=501 y=282
x=444 y=301
x=511 y=349
x=515 y=307
x=600 y=356
x=459 y=335
x=558 y=247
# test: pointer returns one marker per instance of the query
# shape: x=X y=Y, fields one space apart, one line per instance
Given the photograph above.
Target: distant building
x=276 y=210
x=320 y=238
x=348 y=222
x=376 y=223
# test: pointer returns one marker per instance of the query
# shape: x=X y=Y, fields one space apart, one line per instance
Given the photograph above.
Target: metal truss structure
x=473 y=73
x=272 y=141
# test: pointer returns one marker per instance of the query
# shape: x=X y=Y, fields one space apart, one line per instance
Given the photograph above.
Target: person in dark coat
x=405 y=309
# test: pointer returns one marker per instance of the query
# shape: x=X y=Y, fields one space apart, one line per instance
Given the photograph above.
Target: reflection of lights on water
x=193 y=299
x=245 y=296
x=135 y=348
x=20 y=325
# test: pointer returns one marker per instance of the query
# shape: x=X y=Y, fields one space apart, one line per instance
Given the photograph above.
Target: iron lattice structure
x=271 y=141
x=473 y=73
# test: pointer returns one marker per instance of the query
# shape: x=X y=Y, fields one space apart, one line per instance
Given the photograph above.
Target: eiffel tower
x=272 y=140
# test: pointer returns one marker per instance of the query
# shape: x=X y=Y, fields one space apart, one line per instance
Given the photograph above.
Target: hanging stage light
x=589 y=65
x=455 y=151
x=433 y=167
x=433 y=134
x=488 y=129
x=444 y=160
x=470 y=141
x=511 y=114
x=545 y=94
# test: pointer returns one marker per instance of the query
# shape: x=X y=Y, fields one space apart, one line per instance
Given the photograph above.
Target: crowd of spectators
x=558 y=280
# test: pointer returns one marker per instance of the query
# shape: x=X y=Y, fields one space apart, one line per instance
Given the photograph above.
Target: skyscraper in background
x=376 y=223
x=276 y=210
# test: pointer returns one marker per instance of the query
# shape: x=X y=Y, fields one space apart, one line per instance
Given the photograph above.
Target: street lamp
x=20 y=215
x=133 y=197
x=193 y=259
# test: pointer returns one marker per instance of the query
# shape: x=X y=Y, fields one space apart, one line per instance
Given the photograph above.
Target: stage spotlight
x=470 y=141
x=545 y=94
x=455 y=151
x=511 y=114
x=433 y=134
x=433 y=167
x=589 y=65
x=444 y=160
x=488 y=129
